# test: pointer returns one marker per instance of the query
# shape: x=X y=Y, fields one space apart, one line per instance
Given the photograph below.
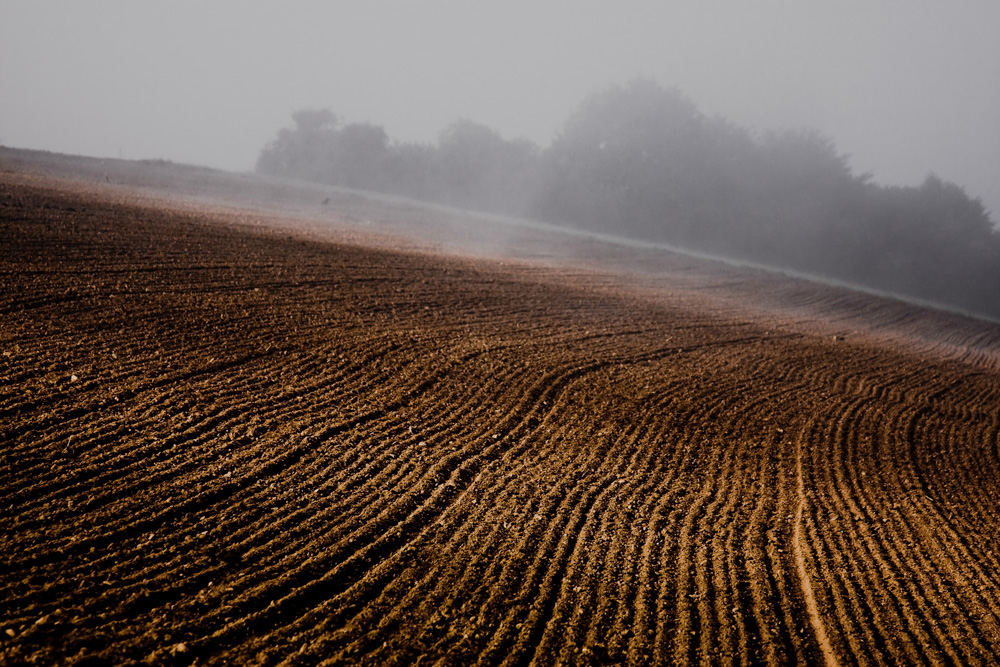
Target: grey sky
x=905 y=87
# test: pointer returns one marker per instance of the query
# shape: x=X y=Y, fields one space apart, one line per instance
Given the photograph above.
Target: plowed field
x=226 y=441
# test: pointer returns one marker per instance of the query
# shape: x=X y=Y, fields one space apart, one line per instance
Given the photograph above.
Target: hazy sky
x=905 y=87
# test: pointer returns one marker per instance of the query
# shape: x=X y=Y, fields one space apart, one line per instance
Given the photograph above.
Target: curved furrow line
x=738 y=564
x=594 y=624
x=670 y=597
x=492 y=502
x=553 y=448
x=856 y=594
x=376 y=438
x=863 y=609
x=753 y=595
x=133 y=392
x=720 y=515
x=742 y=478
x=192 y=503
x=622 y=504
x=316 y=520
x=51 y=421
x=315 y=585
x=126 y=582
x=90 y=511
x=649 y=633
x=653 y=624
x=630 y=559
x=715 y=606
x=715 y=634
x=953 y=555
x=631 y=627
x=552 y=550
x=847 y=616
x=404 y=549
x=949 y=497
x=425 y=597
x=763 y=456
x=292 y=528
x=495 y=535
x=959 y=455
x=102 y=464
x=888 y=604
x=312 y=582
x=625 y=569
x=763 y=592
x=692 y=592
x=573 y=472
x=776 y=564
x=883 y=578
x=777 y=609
x=726 y=568
x=195 y=434
x=351 y=499
x=943 y=600
x=704 y=633
x=479 y=395
x=800 y=548
x=967 y=532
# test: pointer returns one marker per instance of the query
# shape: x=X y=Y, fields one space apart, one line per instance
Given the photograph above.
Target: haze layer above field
x=905 y=88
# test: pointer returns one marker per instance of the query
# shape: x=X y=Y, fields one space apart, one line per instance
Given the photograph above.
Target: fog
x=904 y=88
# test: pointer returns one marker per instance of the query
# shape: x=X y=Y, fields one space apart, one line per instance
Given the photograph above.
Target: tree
x=640 y=160
x=303 y=151
x=360 y=156
x=479 y=168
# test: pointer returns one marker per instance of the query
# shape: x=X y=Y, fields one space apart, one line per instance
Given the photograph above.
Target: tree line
x=641 y=161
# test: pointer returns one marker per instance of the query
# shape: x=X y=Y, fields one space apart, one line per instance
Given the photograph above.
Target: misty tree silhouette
x=642 y=161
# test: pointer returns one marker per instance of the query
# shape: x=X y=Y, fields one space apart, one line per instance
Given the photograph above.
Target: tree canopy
x=640 y=160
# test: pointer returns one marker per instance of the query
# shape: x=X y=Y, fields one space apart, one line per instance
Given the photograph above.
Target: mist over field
x=642 y=162
x=904 y=88
x=855 y=141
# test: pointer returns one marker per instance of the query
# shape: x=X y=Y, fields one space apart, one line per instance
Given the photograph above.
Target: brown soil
x=232 y=437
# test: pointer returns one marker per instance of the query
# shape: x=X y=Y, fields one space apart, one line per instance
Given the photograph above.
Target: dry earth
x=229 y=437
